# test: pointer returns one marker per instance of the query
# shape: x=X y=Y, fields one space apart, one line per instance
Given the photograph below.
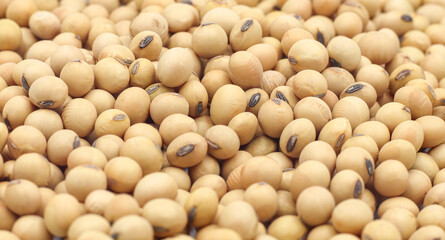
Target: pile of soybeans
x=222 y=119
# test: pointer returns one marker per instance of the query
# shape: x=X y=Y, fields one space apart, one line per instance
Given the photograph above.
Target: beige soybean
x=404 y=220
x=308 y=54
x=37 y=230
x=30 y=73
x=416 y=100
x=315 y=205
x=83 y=179
x=122 y=173
x=166 y=216
x=348 y=24
x=217 y=63
x=273 y=117
x=166 y=104
x=146 y=44
x=175 y=67
x=109 y=145
x=79 y=115
x=155 y=185
x=230 y=164
x=26 y=139
x=410 y=131
x=187 y=150
x=358 y=160
x=57 y=223
x=121 y=205
x=256 y=97
x=418 y=185
x=428 y=232
x=330 y=99
x=144 y=129
x=273 y=79
x=209 y=40
x=101 y=99
x=363 y=141
x=78 y=76
x=247 y=222
x=142 y=73
x=86 y=155
x=364 y=91
x=280 y=229
x=228 y=101
x=156 y=89
x=281 y=24
x=375 y=129
x=251 y=172
x=346 y=184
x=22 y=197
x=400 y=150
x=431 y=215
x=201 y=206
x=135 y=102
x=386 y=229
x=351 y=216
x=245 y=33
x=25 y=166
x=180 y=176
x=62 y=55
x=222 y=141
x=175 y=125
x=433 y=129
x=111 y=68
x=324 y=231
x=427 y=164
x=88 y=222
x=436 y=153
x=207 y=166
x=16 y=110
x=337 y=79
x=377 y=40
x=296 y=136
x=352 y=108
x=285 y=93
x=213 y=181
x=344 y=52
x=309 y=83
x=265 y=208
x=144 y=151
x=60 y=144
x=434 y=195
x=266 y=54
x=196 y=95
x=314 y=109
x=391 y=178
x=48 y=92
x=309 y=173
x=132 y=227
x=11 y=37
x=403 y=74
x=213 y=80
x=284 y=161
x=244 y=125
x=392 y=114
x=112 y=121
x=97 y=200
x=336 y=132
x=321 y=28
x=319 y=151
x=245 y=70
x=44 y=24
